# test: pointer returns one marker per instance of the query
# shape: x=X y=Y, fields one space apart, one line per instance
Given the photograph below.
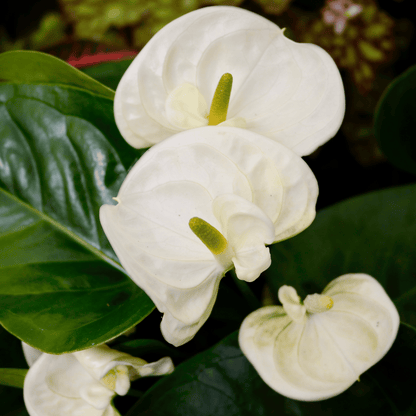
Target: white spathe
x=253 y=190
x=288 y=91
x=83 y=383
x=316 y=350
x=31 y=354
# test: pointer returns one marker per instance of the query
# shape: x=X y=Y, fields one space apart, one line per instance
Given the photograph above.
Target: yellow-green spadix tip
x=209 y=235
x=220 y=101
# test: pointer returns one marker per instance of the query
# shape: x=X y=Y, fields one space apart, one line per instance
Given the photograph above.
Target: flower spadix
x=284 y=90
x=198 y=204
x=85 y=382
x=316 y=349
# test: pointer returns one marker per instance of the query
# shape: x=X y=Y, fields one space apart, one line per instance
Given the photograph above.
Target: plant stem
x=248 y=295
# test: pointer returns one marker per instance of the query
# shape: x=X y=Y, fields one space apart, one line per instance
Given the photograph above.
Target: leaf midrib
x=98 y=253
x=110 y=286
x=61 y=85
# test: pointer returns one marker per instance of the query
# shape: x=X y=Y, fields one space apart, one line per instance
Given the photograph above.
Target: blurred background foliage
x=370 y=40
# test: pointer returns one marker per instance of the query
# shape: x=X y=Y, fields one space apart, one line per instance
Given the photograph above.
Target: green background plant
x=395 y=119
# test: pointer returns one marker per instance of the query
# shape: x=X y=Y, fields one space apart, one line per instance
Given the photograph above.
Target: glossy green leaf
x=374 y=234
x=108 y=73
x=395 y=121
x=30 y=67
x=61 y=158
x=221 y=382
x=12 y=377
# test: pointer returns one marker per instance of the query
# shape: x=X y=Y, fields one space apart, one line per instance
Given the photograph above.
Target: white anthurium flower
x=316 y=349
x=288 y=91
x=198 y=204
x=83 y=383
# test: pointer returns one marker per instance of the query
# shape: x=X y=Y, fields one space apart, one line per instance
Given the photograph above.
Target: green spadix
x=220 y=101
x=209 y=235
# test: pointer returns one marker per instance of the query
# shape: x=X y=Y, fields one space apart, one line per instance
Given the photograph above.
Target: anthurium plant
x=169 y=229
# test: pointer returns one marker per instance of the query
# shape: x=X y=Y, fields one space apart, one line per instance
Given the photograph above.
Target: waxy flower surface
x=198 y=204
x=85 y=382
x=284 y=90
x=316 y=349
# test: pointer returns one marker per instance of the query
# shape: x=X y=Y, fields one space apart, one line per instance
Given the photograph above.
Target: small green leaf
x=395 y=121
x=30 y=67
x=12 y=377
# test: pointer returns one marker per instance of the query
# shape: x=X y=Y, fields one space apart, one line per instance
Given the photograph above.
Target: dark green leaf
x=221 y=382
x=395 y=121
x=12 y=377
x=61 y=158
x=144 y=347
x=11 y=355
x=12 y=402
x=30 y=67
x=108 y=73
x=373 y=234
x=11 y=352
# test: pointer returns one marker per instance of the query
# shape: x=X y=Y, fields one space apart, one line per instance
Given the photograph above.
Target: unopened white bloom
x=198 y=204
x=288 y=91
x=83 y=383
x=317 y=349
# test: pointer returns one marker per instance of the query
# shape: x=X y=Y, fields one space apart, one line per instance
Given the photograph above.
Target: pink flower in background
x=337 y=12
